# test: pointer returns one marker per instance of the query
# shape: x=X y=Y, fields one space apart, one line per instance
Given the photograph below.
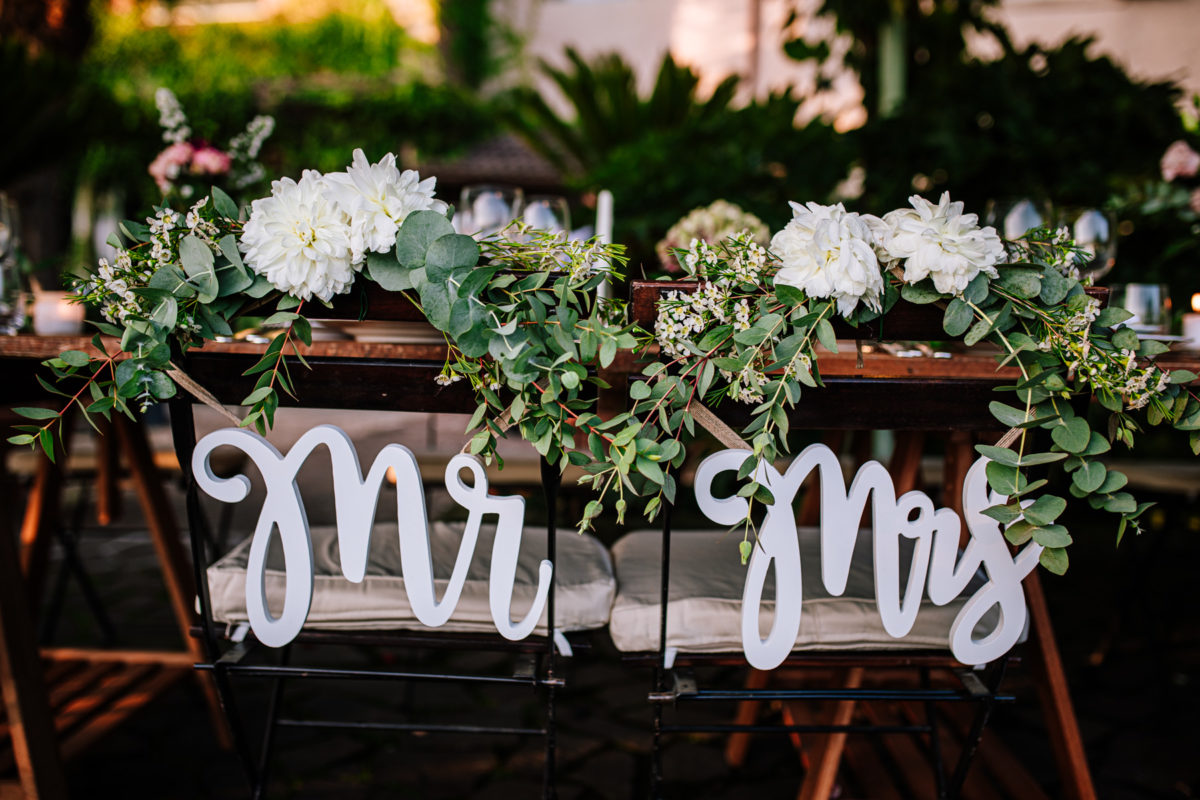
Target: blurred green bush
x=345 y=80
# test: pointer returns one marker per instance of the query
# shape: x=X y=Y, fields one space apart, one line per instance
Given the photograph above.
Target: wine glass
x=1150 y=304
x=485 y=209
x=12 y=298
x=547 y=212
x=1014 y=218
x=1095 y=233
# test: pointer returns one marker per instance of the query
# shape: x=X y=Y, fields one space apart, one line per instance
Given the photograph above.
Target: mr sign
x=355 y=500
x=936 y=562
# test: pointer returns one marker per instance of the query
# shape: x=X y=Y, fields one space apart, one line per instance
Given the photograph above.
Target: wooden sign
x=355 y=500
x=936 y=564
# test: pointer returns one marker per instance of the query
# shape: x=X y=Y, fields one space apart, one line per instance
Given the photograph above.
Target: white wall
x=1150 y=38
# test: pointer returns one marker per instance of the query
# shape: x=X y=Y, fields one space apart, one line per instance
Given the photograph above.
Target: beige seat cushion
x=704 y=612
x=583 y=592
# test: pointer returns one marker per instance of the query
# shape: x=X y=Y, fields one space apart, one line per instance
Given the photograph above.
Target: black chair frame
x=341 y=383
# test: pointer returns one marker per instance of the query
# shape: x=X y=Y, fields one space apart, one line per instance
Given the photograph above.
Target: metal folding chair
x=922 y=678
x=389 y=380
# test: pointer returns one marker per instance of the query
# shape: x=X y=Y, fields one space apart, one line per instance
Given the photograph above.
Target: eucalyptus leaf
x=419 y=230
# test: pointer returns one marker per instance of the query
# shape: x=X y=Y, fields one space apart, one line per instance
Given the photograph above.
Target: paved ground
x=1128 y=623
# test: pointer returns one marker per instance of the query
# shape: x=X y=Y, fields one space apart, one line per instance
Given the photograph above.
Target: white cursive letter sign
x=355 y=501
x=913 y=516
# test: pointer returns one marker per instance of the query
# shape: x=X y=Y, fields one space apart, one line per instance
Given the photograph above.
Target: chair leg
x=935 y=743
x=551 y=480
x=819 y=784
x=970 y=744
x=262 y=776
x=747 y=713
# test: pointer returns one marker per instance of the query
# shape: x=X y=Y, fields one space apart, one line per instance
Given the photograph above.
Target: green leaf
x=921 y=293
x=197 y=260
x=418 y=231
x=1089 y=477
x=976 y=333
x=1003 y=514
x=1044 y=511
x=75 y=358
x=1052 y=536
x=650 y=469
x=36 y=413
x=958 y=317
x=639 y=390
x=826 y=336
x=166 y=313
x=1182 y=376
x=224 y=204
x=1020 y=281
x=449 y=255
x=257 y=395
x=1112 y=315
x=23 y=438
x=1055 y=286
x=1121 y=503
x=1072 y=435
x=1001 y=455
x=745 y=549
x=977 y=290
x=1004 y=480
x=436 y=302
x=1054 y=559
x=789 y=295
x=1012 y=417
x=1126 y=339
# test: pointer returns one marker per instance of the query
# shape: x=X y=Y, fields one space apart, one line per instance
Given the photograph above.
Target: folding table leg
x=31 y=726
x=167 y=546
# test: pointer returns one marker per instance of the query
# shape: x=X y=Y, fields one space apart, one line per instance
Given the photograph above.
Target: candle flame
x=1196 y=302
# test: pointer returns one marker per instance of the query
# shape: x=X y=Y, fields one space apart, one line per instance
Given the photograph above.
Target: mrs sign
x=937 y=567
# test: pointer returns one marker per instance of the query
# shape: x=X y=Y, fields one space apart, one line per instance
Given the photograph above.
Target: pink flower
x=207 y=160
x=1180 y=161
x=165 y=168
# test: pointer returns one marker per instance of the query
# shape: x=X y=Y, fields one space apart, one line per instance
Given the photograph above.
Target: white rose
x=827 y=251
x=299 y=239
x=940 y=242
x=377 y=198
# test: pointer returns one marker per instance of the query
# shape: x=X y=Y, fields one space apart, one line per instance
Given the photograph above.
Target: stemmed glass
x=1095 y=232
x=12 y=299
x=485 y=209
x=545 y=212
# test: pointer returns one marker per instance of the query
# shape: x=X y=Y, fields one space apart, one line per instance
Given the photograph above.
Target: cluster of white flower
x=745 y=386
x=712 y=223
x=202 y=229
x=446 y=377
x=700 y=257
x=310 y=237
x=111 y=288
x=161 y=224
x=678 y=321
x=171 y=117
x=827 y=251
x=940 y=242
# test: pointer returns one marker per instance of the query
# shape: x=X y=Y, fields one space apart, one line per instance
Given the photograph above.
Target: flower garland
x=524 y=326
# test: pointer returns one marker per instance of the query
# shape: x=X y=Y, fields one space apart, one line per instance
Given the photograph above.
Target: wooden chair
x=854 y=677
x=371 y=383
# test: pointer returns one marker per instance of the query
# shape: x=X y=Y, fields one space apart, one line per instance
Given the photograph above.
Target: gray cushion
x=583 y=592
x=704 y=610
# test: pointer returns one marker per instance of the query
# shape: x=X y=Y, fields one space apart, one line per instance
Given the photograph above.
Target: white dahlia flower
x=377 y=198
x=940 y=242
x=826 y=251
x=299 y=239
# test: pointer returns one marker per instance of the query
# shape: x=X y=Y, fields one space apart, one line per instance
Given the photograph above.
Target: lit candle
x=55 y=315
x=1191 y=325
